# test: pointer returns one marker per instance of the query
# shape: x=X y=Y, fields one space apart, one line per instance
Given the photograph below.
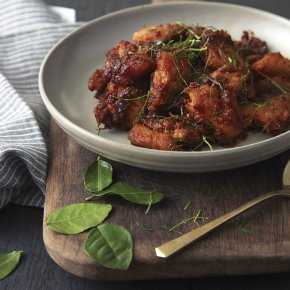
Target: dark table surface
x=21 y=227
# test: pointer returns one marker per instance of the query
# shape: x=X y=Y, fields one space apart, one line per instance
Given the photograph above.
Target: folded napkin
x=28 y=29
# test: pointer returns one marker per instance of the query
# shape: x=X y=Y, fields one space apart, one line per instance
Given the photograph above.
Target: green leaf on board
x=78 y=217
x=110 y=245
x=130 y=193
x=98 y=175
x=8 y=262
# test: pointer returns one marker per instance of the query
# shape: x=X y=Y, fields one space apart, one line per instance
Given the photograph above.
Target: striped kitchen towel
x=28 y=29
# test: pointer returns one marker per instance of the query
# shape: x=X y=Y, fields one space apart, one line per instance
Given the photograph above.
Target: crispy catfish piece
x=271 y=116
x=122 y=85
x=120 y=106
x=97 y=81
x=168 y=80
x=273 y=64
x=218 y=108
x=163 y=32
x=111 y=112
x=230 y=78
x=251 y=47
x=236 y=80
x=167 y=134
x=272 y=75
x=276 y=84
x=125 y=65
x=220 y=50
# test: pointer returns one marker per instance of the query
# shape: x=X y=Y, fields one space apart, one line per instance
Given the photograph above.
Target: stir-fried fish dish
x=178 y=87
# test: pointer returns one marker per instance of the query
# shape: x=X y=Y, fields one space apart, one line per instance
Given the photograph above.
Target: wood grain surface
x=261 y=245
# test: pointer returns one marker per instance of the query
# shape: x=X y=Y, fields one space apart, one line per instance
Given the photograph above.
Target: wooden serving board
x=227 y=251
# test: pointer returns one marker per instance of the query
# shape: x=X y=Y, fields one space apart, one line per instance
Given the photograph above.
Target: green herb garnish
x=187 y=205
x=275 y=84
x=204 y=139
x=98 y=175
x=233 y=61
x=195 y=219
x=8 y=262
x=110 y=245
x=130 y=193
x=242 y=228
x=131 y=99
x=143 y=227
x=78 y=217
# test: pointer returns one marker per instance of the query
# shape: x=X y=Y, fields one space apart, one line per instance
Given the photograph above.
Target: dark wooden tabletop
x=21 y=227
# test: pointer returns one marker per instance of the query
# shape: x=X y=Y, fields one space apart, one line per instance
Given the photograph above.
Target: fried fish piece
x=97 y=81
x=218 y=108
x=230 y=77
x=162 y=32
x=273 y=64
x=251 y=47
x=276 y=84
x=120 y=85
x=110 y=111
x=271 y=116
x=166 y=134
x=168 y=80
x=143 y=136
x=220 y=50
x=120 y=106
x=126 y=64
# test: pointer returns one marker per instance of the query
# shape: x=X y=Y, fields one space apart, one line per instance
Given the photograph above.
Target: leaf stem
x=90 y=197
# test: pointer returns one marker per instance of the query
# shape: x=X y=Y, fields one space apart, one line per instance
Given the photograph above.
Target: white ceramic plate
x=67 y=67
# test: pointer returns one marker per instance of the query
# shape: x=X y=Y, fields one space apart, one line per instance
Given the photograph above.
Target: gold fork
x=167 y=249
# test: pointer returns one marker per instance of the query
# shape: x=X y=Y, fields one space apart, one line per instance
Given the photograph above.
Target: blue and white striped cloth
x=28 y=29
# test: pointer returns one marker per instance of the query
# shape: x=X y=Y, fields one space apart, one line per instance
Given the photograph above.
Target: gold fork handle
x=167 y=249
